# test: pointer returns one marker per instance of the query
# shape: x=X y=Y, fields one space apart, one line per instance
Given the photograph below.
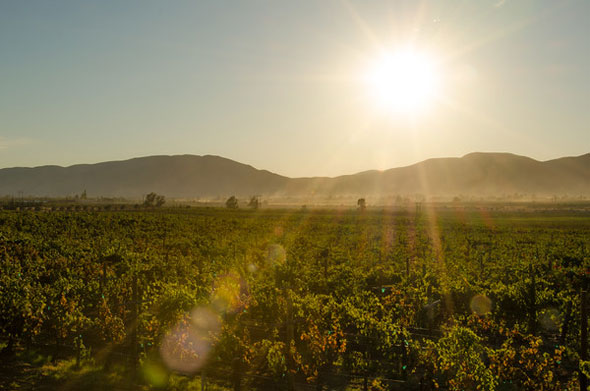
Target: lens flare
x=550 y=319
x=252 y=268
x=154 y=374
x=278 y=231
x=480 y=305
x=276 y=254
x=186 y=347
x=228 y=293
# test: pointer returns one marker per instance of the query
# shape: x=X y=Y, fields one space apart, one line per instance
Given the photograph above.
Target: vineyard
x=412 y=298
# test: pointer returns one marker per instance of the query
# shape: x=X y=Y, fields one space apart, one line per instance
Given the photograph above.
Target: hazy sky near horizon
x=280 y=84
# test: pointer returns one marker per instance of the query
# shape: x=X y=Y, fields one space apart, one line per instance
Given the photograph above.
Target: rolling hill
x=191 y=176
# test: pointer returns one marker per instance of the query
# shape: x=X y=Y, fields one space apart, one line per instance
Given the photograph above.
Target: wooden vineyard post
x=134 y=326
x=566 y=322
x=103 y=280
x=532 y=302
x=78 y=350
x=290 y=338
x=480 y=266
x=583 y=338
x=236 y=374
x=405 y=360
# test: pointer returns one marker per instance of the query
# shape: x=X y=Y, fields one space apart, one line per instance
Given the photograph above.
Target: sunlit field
x=326 y=195
x=416 y=297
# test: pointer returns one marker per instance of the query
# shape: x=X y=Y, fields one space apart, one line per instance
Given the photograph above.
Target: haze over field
x=206 y=177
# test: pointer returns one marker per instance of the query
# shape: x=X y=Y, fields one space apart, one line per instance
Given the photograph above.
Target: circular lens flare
x=185 y=348
x=481 y=305
x=229 y=293
x=550 y=319
x=276 y=254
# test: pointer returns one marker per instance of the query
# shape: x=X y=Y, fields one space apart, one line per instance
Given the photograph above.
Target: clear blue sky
x=277 y=84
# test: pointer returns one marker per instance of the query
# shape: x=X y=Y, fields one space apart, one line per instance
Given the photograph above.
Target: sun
x=404 y=81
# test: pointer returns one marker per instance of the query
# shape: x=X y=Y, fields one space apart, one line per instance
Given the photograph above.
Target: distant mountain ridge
x=192 y=176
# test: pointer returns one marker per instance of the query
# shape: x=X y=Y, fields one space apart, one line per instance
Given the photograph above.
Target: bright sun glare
x=405 y=81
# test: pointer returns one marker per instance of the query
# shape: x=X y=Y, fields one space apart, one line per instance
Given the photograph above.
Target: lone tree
x=160 y=200
x=362 y=204
x=254 y=202
x=154 y=199
x=232 y=203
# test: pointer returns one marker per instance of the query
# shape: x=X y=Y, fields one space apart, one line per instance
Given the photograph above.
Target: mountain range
x=207 y=177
